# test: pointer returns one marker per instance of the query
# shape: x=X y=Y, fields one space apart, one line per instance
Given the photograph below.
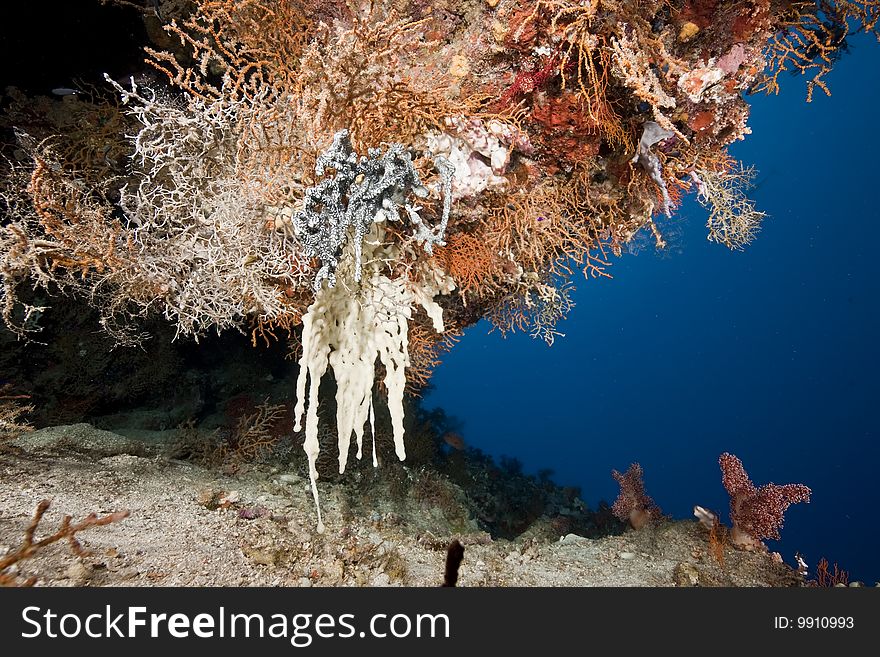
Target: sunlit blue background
x=771 y=354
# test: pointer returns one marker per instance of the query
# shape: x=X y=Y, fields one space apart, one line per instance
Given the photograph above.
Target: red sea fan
x=633 y=504
x=756 y=513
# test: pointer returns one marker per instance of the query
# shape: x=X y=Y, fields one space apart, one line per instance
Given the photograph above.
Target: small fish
x=454 y=440
x=64 y=91
x=706 y=517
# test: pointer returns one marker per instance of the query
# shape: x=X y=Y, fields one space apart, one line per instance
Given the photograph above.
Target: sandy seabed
x=192 y=526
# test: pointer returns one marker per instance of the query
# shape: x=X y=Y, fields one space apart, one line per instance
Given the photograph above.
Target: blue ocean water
x=771 y=354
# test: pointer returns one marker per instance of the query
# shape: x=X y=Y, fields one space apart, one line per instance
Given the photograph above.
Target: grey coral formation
x=363 y=190
x=653 y=133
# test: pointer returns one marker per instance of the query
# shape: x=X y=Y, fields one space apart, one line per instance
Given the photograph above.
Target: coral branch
x=66 y=530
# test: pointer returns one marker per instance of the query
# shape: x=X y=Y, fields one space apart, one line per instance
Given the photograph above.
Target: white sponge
x=348 y=327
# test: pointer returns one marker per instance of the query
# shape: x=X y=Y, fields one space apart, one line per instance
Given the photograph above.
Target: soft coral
x=633 y=504
x=756 y=513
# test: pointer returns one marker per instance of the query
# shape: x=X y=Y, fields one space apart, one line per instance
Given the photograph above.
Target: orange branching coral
x=264 y=328
x=66 y=531
x=253 y=45
x=273 y=33
x=809 y=36
x=537 y=230
x=471 y=261
x=356 y=80
x=86 y=130
x=254 y=434
x=425 y=348
x=587 y=50
x=70 y=218
x=829 y=576
x=717 y=540
x=11 y=411
x=61 y=232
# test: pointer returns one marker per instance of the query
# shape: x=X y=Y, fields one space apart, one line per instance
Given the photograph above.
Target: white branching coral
x=733 y=219
x=348 y=328
x=203 y=254
x=630 y=64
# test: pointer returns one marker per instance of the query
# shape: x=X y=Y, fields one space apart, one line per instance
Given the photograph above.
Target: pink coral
x=633 y=504
x=731 y=62
x=756 y=513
